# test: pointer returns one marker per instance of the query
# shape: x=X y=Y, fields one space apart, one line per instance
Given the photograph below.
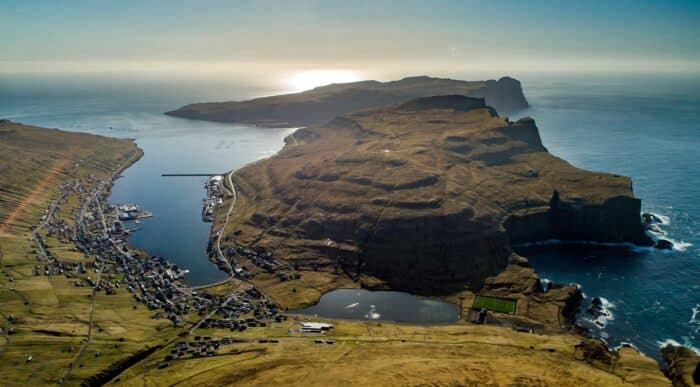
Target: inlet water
x=361 y=304
x=647 y=128
x=132 y=109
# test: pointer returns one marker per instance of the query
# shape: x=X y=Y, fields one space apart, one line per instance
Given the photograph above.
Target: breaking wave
x=677 y=344
x=630 y=345
x=654 y=231
x=606 y=314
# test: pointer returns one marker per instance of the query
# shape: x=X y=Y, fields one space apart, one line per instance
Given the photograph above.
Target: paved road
x=232 y=191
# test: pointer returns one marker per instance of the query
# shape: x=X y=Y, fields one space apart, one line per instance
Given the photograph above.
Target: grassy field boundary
x=496 y=304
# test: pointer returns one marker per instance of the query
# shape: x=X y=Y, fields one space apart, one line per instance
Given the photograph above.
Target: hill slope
x=33 y=161
x=322 y=104
x=426 y=195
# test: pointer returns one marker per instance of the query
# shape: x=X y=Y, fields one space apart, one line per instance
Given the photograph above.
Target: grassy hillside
x=47 y=317
x=425 y=195
x=384 y=354
x=34 y=161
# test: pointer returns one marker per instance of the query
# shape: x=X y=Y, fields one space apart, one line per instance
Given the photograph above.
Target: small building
x=315 y=327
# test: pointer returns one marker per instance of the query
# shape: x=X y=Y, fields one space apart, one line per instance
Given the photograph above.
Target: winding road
x=220 y=235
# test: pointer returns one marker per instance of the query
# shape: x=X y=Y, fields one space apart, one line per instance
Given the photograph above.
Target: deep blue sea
x=646 y=127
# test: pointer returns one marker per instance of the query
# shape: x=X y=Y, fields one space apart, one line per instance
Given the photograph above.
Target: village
x=100 y=231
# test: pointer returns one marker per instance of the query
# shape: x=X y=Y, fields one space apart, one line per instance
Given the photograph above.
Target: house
x=315 y=327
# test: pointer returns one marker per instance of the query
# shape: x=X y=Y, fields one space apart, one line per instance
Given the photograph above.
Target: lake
x=362 y=304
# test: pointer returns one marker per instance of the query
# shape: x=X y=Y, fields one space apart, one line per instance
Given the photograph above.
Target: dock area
x=215 y=196
x=129 y=212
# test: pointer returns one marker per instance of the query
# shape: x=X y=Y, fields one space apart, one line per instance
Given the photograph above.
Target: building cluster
x=247 y=309
x=215 y=196
x=259 y=257
x=98 y=231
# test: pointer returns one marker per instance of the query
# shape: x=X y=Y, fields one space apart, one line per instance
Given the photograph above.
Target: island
x=320 y=105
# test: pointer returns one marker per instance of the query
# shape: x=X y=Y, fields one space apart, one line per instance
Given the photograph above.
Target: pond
x=361 y=304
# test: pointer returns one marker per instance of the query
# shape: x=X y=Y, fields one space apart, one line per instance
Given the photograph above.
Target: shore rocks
x=663 y=244
x=683 y=365
x=597 y=310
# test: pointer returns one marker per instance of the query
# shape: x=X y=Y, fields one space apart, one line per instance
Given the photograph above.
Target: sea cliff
x=427 y=196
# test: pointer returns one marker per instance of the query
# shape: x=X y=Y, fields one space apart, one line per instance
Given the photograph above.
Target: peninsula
x=426 y=196
x=320 y=105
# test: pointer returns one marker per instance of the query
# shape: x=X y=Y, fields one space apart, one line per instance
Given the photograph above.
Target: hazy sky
x=443 y=35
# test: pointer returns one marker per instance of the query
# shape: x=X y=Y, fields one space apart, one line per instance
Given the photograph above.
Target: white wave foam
x=680 y=246
x=655 y=232
x=628 y=344
x=352 y=305
x=665 y=220
x=695 y=319
x=677 y=344
x=606 y=314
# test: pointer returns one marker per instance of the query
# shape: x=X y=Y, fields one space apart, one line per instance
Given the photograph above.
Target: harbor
x=214 y=197
x=97 y=230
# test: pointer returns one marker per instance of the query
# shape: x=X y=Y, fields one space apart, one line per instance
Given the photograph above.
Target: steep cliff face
x=426 y=195
x=320 y=105
x=507 y=93
x=616 y=220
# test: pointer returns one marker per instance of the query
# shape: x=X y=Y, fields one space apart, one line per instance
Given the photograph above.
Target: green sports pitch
x=503 y=305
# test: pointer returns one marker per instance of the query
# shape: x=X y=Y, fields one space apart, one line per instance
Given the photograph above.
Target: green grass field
x=496 y=304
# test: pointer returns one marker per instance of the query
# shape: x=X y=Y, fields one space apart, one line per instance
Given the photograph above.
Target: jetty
x=190 y=174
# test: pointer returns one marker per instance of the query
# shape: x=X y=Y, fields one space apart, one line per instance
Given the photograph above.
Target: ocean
x=646 y=127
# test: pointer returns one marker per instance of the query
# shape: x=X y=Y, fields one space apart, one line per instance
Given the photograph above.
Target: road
x=230 y=297
x=232 y=191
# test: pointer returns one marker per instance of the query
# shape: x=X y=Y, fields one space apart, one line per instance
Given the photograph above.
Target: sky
x=221 y=37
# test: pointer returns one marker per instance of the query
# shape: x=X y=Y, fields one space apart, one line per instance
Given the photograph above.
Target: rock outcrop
x=320 y=105
x=683 y=365
x=427 y=196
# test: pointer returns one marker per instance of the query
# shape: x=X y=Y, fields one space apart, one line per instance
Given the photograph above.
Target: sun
x=309 y=79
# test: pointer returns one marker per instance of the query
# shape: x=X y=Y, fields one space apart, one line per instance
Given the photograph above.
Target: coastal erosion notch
x=427 y=196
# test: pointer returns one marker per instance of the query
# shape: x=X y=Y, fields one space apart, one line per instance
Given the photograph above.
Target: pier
x=190 y=174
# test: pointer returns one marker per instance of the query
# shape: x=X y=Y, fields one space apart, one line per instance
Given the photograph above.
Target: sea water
x=646 y=127
x=132 y=108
